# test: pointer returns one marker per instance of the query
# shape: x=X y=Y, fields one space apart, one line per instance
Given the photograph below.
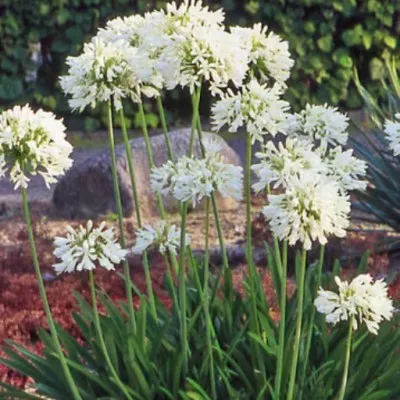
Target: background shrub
x=327 y=40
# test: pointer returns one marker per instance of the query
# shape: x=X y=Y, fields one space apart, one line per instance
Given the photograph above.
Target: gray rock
x=87 y=188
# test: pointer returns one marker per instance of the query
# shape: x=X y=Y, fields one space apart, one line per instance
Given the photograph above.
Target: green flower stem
x=171 y=280
x=342 y=391
x=145 y=131
x=249 y=249
x=312 y=318
x=182 y=289
x=118 y=204
x=282 y=322
x=165 y=128
x=225 y=261
x=100 y=336
x=296 y=344
x=129 y=157
x=207 y=301
x=149 y=285
x=47 y=310
x=195 y=118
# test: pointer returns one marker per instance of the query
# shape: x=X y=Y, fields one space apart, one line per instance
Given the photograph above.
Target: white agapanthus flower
x=86 y=246
x=392 y=131
x=194 y=13
x=193 y=179
x=279 y=164
x=203 y=54
x=108 y=71
x=346 y=169
x=364 y=299
x=312 y=208
x=268 y=54
x=32 y=143
x=322 y=125
x=123 y=28
x=257 y=107
x=161 y=235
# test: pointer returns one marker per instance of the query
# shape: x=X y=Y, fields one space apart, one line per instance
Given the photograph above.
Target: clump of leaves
x=382 y=199
x=149 y=360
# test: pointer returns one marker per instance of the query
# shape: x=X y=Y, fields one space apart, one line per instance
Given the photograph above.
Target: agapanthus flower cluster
x=346 y=169
x=257 y=107
x=269 y=55
x=319 y=124
x=191 y=179
x=184 y=45
x=32 y=143
x=85 y=247
x=311 y=208
x=280 y=163
x=392 y=131
x=194 y=48
x=363 y=299
x=162 y=235
x=108 y=71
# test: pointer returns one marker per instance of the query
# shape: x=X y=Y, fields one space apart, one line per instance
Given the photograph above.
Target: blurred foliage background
x=328 y=40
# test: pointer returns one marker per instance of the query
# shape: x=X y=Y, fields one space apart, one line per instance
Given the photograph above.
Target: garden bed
x=21 y=310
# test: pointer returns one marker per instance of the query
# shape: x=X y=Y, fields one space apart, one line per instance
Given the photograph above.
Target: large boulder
x=87 y=188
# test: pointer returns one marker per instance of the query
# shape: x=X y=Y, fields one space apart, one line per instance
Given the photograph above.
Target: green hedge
x=327 y=40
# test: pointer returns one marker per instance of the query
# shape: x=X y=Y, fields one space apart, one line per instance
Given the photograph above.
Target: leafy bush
x=150 y=362
x=327 y=39
x=382 y=198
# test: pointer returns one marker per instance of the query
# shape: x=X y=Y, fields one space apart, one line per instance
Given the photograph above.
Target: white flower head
x=392 y=131
x=279 y=164
x=312 y=208
x=257 y=107
x=32 y=143
x=269 y=55
x=321 y=124
x=161 y=235
x=202 y=54
x=194 y=13
x=108 y=71
x=192 y=179
x=123 y=28
x=346 y=169
x=364 y=299
x=83 y=248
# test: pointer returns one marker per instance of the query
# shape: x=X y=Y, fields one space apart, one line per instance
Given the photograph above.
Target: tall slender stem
x=171 y=280
x=182 y=288
x=129 y=157
x=221 y=240
x=47 y=310
x=342 y=391
x=249 y=250
x=149 y=285
x=299 y=318
x=165 y=128
x=207 y=301
x=118 y=204
x=145 y=131
x=195 y=118
x=282 y=323
x=100 y=336
x=312 y=318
